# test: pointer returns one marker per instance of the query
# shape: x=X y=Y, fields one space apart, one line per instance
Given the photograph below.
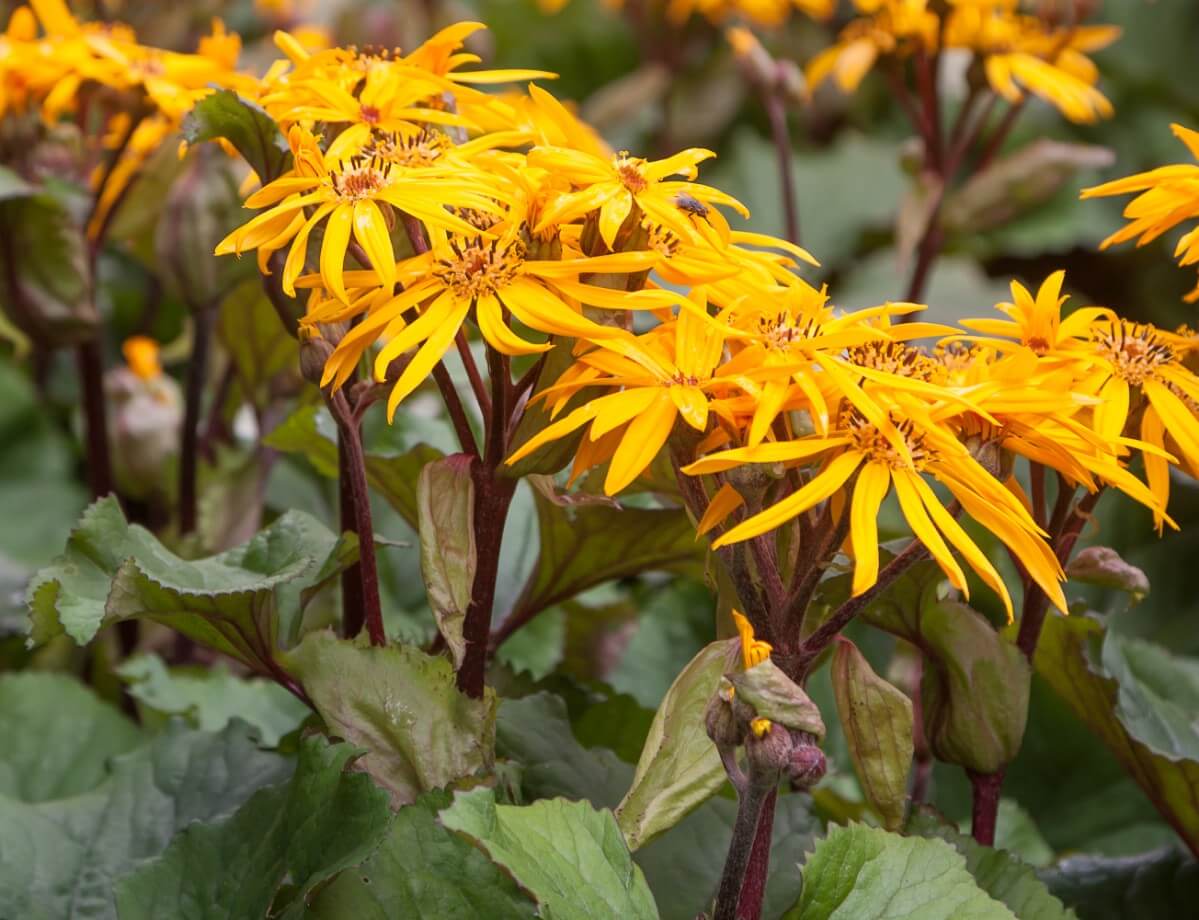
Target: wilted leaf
x=246 y=126
x=1140 y=701
x=679 y=767
x=1151 y=886
x=877 y=720
x=445 y=499
x=865 y=873
x=324 y=820
x=58 y=737
x=392 y=476
x=1102 y=566
x=112 y=570
x=569 y=856
x=62 y=858
x=1000 y=874
x=209 y=698
x=422 y=871
x=420 y=731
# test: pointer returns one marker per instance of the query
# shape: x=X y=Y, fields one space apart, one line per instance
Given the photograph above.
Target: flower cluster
x=761 y=12
x=89 y=72
x=1019 y=53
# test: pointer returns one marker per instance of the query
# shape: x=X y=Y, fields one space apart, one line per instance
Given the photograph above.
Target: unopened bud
x=991 y=456
x=720 y=718
x=314 y=353
x=807 y=765
x=768 y=750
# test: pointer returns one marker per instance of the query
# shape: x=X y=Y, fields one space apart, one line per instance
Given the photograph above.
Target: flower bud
x=807 y=764
x=721 y=717
x=146 y=412
x=314 y=352
x=768 y=750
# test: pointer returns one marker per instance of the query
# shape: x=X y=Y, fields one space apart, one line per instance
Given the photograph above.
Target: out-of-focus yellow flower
x=1166 y=197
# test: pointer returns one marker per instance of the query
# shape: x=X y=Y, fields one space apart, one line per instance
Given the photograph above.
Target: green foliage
x=62 y=858
x=865 y=873
x=224 y=114
x=679 y=767
x=569 y=856
x=1000 y=874
x=258 y=345
x=58 y=737
x=424 y=872
x=420 y=732
x=1114 y=686
x=209 y=698
x=1159 y=883
x=235 y=602
x=324 y=820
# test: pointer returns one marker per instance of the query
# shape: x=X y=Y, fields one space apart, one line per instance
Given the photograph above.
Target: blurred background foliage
x=612 y=652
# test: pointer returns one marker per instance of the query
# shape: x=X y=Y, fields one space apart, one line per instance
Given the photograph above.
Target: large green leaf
x=445 y=494
x=324 y=820
x=584 y=546
x=1154 y=885
x=535 y=732
x=58 y=737
x=224 y=114
x=419 y=730
x=421 y=871
x=209 y=698
x=877 y=720
x=1002 y=875
x=310 y=431
x=232 y=602
x=866 y=873
x=1140 y=701
x=569 y=856
x=62 y=858
x=679 y=767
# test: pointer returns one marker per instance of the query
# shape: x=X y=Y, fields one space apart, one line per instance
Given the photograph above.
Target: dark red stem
x=985 y=801
x=193 y=396
x=753 y=888
x=90 y=365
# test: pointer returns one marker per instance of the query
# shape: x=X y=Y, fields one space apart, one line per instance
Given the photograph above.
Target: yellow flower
x=141 y=354
x=489 y=278
x=613 y=186
x=753 y=651
x=348 y=197
x=1168 y=196
x=860 y=458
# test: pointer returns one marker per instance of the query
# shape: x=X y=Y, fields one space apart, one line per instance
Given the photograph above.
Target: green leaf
x=1140 y=701
x=231 y=602
x=62 y=859
x=535 y=731
x=1102 y=566
x=45 y=278
x=421 y=871
x=584 y=546
x=445 y=499
x=877 y=720
x=58 y=737
x=260 y=347
x=420 y=731
x=245 y=125
x=569 y=856
x=210 y=697
x=1002 y=875
x=865 y=873
x=325 y=820
x=679 y=767
x=1150 y=886
x=309 y=431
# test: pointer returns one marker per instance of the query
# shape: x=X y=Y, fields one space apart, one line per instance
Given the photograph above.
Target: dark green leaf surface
x=245 y=125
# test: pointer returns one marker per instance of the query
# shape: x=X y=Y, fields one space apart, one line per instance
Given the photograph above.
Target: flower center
x=1134 y=350
x=360 y=180
x=684 y=380
x=370 y=114
x=892 y=358
x=480 y=268
x=419 y=150
x=628 y=169
x=865 y=437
